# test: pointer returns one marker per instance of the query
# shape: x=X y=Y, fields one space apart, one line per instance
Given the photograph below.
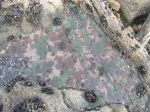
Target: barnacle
x=89 y=8
x=118 y=34
x=12 y=18
x=28 y=83
x=11 y=83
x=122 y=27
x=47 y=90
x=17 y=8
x=10 y=38
x=142 y=70
x=41 y=83
x=57 y=21
x=30 y=104
x=140 y=90
x=103 y=20
x=33 y=12
x=90 y=96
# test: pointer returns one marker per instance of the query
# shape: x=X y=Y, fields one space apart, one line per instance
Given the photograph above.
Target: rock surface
x=134 y=8
x=60 y=100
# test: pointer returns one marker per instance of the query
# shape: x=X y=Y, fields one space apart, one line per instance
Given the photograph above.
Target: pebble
x=114 y=4
x=130 y=29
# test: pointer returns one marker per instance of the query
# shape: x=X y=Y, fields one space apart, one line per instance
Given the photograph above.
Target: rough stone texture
x=118 y=108
x=63 y=100
x=134 y=8
x=19 y=93
x=79 y=103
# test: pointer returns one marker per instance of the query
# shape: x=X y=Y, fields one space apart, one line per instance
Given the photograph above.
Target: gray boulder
x=144 y=29
x=134 y=8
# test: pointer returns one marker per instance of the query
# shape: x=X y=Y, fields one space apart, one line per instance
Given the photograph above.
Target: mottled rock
x=118 y=108
x=134 y=8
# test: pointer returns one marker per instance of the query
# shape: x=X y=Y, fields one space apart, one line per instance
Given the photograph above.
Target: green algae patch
x=114 y=62
x=21 y=69
x=70 y=72
x=101 y=47
x=58 y=82
x=28 y=71
x=127 y=72
x=85 y=36
x=55 y=49
x=41 y=46
x=77 y=54
x=124 y=80
x=69 y=23
x=98 y=30
x=55 y=28
x=83 y=16
x=121 y=64
x=101 y=71
x=78 y=49
x=110 y=89
x=64 y=78
x=75 y=43
x=72 y=5
x=34 y=67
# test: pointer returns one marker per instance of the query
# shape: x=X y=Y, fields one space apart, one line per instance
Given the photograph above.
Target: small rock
x=130 y=28
x=114 y=4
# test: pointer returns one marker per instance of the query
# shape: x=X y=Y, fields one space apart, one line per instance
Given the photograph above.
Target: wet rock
x=134 y=8
x=145 y=29
x=118 y=108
